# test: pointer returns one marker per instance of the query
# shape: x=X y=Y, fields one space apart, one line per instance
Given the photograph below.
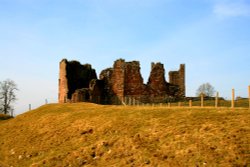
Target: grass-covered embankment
x=94 y=135
x=5 y=117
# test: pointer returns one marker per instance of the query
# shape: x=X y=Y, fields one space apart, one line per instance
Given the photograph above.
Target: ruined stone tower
x=63 y=82
x=157 y=78
x=178 y=78
x=79 y=83
x=118 y=78
x=73 y=76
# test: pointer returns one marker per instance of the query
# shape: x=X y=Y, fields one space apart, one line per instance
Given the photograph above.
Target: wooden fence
x=217 y=102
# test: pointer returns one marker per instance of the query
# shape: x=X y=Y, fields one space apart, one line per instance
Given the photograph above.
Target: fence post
x=216 y=99
x=169 y=105
x=190 y=103
x=179 y=104
x=29 y=106
x=122 y=100
x=233 y=94
x=202 y=100
x=133 y=101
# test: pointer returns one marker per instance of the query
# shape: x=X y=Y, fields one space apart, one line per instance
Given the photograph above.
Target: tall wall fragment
x=178 y=78
x=73 y=76
x=133 y=79
x=118 y=78
x=157 y=78
x=63 y=82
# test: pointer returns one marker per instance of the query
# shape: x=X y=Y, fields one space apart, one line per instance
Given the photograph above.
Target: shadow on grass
x=5 y=117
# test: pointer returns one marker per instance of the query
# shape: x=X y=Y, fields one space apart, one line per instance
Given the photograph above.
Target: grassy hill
x=86 y=134
x=5 y=117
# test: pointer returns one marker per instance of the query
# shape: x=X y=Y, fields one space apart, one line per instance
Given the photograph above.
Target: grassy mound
x=5 y=117
x=93 y=135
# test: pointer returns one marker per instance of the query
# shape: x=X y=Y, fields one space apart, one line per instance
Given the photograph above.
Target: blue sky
x=210 y=36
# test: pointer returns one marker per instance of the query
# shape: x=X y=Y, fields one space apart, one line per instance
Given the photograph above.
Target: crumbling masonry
x=120 y=84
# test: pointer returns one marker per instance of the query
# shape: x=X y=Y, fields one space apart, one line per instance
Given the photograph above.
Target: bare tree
x=7 y=96
x=206 y=89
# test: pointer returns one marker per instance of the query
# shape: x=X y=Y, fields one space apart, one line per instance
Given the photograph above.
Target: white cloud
x=232 y=9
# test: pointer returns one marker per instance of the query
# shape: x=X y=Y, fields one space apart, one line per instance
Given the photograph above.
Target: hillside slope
x=93 y=135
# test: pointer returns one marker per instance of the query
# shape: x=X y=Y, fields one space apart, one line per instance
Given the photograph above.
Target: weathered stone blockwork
x=178 y=78
x=73 y=76
x=79 y=83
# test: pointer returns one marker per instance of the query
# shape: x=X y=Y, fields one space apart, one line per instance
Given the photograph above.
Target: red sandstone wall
x=123 y=80
x=118 y=78
x=133 y=79
x=182 y=80
x=178 y=78
x=157 y=78
x=63 y=82
x=72 y=77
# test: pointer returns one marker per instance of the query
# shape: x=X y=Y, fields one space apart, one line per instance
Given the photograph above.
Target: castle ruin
x=117 y=85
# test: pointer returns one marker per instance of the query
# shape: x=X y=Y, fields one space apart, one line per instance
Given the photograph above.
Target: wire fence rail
x=198 y=102
x=244 y=103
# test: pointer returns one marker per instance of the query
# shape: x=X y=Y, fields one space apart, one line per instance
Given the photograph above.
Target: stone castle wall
x=178 y=78
x=157 y=80
x=72 y=77
x=79 y=83
x=63 y=82
x=117 y=79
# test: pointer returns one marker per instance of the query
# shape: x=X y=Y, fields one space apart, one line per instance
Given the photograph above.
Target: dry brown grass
x=5 y=117
x=93 y=135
